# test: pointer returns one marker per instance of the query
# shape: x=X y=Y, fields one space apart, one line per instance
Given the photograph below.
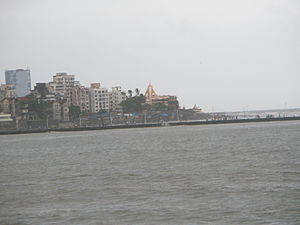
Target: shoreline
x=158 y=124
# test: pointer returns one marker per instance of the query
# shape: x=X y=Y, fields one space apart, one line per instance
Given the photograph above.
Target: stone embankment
x=144 y=125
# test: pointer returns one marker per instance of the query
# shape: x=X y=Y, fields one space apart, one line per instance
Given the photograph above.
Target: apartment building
x=62 y=84
x=81 y=98
x=99 y=98
x=116 y=96
x=7 y=91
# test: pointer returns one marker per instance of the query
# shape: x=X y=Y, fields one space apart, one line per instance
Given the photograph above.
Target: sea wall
x=145 y=125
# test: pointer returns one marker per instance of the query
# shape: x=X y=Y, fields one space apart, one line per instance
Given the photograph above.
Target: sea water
x=209 y=174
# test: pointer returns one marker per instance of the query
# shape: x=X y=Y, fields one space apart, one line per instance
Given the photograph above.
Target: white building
x=116 y=96
x=99 y=98
x=62 y=84
x=5 y=118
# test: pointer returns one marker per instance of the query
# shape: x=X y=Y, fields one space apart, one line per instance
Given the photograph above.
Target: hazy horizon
x=219 y=55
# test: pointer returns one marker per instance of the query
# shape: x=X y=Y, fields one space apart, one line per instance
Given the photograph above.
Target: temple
x=153 y=98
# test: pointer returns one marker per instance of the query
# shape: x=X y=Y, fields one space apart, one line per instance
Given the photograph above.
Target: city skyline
x=143 y=90
x=222 y=56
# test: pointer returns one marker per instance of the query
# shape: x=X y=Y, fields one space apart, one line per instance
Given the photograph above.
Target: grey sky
x=221 y=54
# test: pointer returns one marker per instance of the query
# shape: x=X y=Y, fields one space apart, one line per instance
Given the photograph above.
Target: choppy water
x=213 y=174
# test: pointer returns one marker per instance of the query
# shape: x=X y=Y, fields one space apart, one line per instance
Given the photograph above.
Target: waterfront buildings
x=19 y=80
x=6 y=105
x=81 y=98
x=54 y=101
x=99 y=98
x=152 y=98
x=16 y=107
x=7 y=91
x=116 y=96
x=41 y=93
x=53 y=105
x=62 y=85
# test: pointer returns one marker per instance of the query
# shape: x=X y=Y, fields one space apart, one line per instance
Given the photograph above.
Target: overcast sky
x=219 y=54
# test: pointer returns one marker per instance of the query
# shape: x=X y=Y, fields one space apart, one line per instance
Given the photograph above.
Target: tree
x=134 y=104
x=130 y=93
x=74 y=112
x=41 y=109
x=137 y=92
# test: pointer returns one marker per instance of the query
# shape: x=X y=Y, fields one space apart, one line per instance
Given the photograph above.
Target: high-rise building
x=62 y=85
x=19 y=80
x=99 y=98
x=81 y=98
x=116 y=96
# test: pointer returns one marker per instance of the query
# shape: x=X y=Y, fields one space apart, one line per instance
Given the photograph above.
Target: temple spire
x=150 y=94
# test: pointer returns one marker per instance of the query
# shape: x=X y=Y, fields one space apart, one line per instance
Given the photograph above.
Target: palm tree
x=130 y=93
x=137 y=92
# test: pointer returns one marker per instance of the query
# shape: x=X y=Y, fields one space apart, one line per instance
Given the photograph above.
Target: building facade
x=19 y=80
x=62 y=85
x=81 y=98
x=60 y=111
x=152 y=98
x=7 y=91
x=116 y=96
x=53 y=105
x=99 y=98
x=41 y=93
x=6 y=106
